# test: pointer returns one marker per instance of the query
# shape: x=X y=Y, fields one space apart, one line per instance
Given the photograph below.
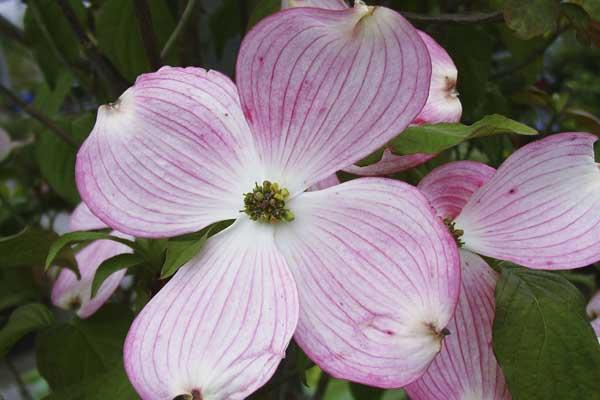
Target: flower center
x=456 y=233
x=266 y=203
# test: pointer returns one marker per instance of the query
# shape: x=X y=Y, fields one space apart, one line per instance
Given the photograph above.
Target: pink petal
x=326 y=4
x=390 y=164
x=322 y=89
x=221 y=324
x=172 y=156
x=442 y=104
x=68 y=292
x=542 y=207
x=449 y=187
x=378 y=279
x=466 y=368
x=82 y=219
x=330 y=181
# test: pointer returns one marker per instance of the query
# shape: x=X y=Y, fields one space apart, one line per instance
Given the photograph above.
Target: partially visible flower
x=71 y=293
x=363 y=274
x=539 y=210
x=593 y=311
x=442 y=104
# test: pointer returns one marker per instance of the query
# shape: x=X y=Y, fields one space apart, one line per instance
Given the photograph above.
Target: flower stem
x=185 y=17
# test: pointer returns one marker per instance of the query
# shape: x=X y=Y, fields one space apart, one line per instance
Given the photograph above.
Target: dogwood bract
x=363 y=274
x=71 y=293
x=442 y=103
x=537 y=210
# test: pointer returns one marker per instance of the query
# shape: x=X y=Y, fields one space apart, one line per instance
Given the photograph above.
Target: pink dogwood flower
x=71 y=293
x=363 y=275
x=442 y=103
x=537 y=210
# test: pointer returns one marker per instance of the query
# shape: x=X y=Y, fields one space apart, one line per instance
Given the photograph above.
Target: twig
x=107 y=71
x=463 y=19
x=185 y=17
x=531 y=57
x=20 y=383
x=43 y=119
x=8 y=29
x=321 y=387
x=144 y=19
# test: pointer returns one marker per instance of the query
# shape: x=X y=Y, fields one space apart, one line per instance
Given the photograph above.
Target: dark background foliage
x=534 y=61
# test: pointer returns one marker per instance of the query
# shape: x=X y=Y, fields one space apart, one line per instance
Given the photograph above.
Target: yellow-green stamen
x=266 y=203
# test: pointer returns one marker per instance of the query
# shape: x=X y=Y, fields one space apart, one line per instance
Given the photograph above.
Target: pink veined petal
x=466 y=368
x=542 y=207
x=326 y=4
x=378 y=278
x=322 y=89
x=172 y=156
x=442 y=104
x=330 y=181
x=82 y=219
x=449 y=187
x=390 y=164
x=221 y=325
x=68 y=292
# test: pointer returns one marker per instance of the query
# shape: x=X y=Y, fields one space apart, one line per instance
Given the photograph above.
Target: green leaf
x=531 y=18
x=23 y=320
x=29 y=248
x=119 y=38
x=112 y=385
x=439 y=137
x=49 y=100
x=263 y=9
x=112 y=265
x=362 y=392
x=72 y=354
x=57 y=159
x=17 y=286
x=80 y=237
x=53 y=42
x=181 y=251
x=542 y=337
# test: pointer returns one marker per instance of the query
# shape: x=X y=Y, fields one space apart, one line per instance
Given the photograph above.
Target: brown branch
x=144 y=19
x=461 y=19
x=105 y=69
x=43 y=119
x=11 y=31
